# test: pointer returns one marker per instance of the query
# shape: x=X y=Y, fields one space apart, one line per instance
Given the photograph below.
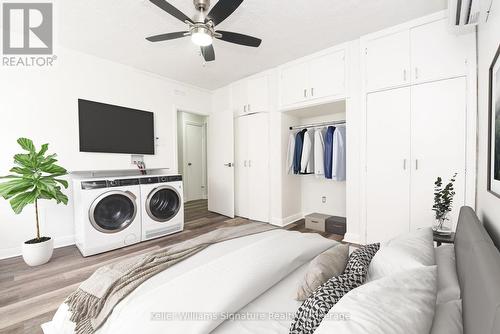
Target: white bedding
x=221 y=280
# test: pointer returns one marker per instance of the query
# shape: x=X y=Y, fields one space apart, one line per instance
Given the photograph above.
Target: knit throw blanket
x=95 y=298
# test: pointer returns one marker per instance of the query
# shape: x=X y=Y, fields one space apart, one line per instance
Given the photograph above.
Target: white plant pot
x=39 y=253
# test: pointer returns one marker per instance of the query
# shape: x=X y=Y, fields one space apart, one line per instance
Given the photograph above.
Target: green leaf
x=53 y=169
x=63 y=182
x=21 y=170
x=13 y=187
x=23 y=160
x=43 y=150
x=19 y=202
x=27 y=144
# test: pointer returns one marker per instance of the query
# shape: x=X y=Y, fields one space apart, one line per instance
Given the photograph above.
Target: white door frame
x=203 y=127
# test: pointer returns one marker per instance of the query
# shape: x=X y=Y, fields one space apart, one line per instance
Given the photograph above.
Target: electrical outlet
x=323 y=199
x=136 y=159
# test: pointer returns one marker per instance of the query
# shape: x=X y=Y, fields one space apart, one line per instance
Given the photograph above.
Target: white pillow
x=448 y=287
x=407 y=251
x=400 y=303
x=448 y=318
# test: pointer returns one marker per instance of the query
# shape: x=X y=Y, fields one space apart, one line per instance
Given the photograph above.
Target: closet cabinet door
x=327 y=75
x=239 y=97
x=387 y=61
x=258 y=94
x=388 y=169
x=258 y=152
x=437 y=53
x=241 y=206
x=294 y=84
x=438 y=145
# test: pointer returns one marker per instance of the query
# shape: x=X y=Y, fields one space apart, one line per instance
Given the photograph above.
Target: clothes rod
x=316 y=125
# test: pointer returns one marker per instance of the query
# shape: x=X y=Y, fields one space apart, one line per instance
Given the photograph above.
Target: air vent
x=163 y=231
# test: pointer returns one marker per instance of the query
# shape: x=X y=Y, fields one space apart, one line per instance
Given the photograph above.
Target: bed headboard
x=478 y=268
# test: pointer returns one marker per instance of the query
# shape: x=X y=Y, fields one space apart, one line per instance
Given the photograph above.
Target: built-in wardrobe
x=417 y=82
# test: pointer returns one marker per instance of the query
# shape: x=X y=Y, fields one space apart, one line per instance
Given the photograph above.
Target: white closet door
x=437 y=53
x=294 y=84
x=258 y=149
x=327 y=75
x=388 y=169
x=438 y=145
x=258 y=94
x=388 y=61
x=241 y=206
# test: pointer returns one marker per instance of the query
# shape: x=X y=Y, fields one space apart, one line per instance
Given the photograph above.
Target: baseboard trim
x=64 y=241
x=282 y=222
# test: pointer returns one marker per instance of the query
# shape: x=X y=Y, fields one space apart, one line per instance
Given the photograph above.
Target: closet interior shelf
x=316 y=125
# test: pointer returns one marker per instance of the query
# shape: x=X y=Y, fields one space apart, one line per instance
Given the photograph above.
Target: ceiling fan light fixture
x=201 y=36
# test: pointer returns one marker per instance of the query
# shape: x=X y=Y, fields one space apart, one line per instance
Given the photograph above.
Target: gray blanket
x=94 y=300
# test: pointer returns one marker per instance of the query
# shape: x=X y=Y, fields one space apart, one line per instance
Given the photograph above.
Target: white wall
x=42 y=104
x=488 y=206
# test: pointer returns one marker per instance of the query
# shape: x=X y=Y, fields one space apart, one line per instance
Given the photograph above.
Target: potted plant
x=35 y=177
x=443 y=202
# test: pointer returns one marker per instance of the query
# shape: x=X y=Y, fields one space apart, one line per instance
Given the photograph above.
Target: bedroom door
x=221 y=157
x=388 y=164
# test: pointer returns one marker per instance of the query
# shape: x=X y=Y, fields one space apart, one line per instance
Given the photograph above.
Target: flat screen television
x=112 y=129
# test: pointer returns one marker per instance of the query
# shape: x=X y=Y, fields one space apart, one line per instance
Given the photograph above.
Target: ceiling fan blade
x=241 y=39
x=165 y=37
x=171 y=10
x=222 y=10
x=208 y=52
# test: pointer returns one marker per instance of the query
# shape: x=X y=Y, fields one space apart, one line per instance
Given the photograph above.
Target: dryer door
x=163 y=203
x=113 y=211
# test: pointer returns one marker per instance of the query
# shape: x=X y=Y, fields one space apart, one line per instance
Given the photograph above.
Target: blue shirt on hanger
x=329 y=151
x=297 y=156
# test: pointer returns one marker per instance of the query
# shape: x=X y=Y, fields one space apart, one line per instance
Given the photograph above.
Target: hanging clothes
x=307 y=159
x=328 y=151
x=290 y=153
x=319 y=151
x=297 y=156
x=339 y=154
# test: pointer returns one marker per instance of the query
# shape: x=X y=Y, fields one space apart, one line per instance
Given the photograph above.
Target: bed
x=248 y=285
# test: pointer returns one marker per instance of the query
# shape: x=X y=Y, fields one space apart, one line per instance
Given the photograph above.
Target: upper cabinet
x=417 y=54
x=318 y=78
x=387 y=60
x=437 y=53
x=251 y=95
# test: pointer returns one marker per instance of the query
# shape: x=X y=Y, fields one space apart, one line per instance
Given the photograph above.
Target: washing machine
x=162 y=205
x=107 y=214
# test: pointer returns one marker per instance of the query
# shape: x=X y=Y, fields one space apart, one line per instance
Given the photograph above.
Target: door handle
x=229 y=164
x=305 y=92
x=249 y=163
x=245 y=163
x=248 y=108
x=416 y=164
x=245 y=108
x=312 y=91
x=404 y=75
x=416 y=73
x=404 y=164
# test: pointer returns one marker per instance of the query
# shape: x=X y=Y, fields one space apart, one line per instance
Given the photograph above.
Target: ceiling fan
x=202 y=26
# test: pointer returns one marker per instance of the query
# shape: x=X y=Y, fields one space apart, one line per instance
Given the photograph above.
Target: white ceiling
x=116 y=30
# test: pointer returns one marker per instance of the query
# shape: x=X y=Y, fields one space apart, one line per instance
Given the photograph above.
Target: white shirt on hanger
x=319 y=151
x=307 y=159
x=290 y=152
x=339 y=154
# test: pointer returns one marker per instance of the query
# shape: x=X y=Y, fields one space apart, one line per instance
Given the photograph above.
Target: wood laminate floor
x=29 y=296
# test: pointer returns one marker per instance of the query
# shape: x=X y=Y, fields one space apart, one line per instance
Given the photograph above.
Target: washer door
x=113 y=211
x=163 y=203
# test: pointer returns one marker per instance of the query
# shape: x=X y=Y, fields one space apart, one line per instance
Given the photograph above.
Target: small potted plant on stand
x=35 y=177
x=443 y=203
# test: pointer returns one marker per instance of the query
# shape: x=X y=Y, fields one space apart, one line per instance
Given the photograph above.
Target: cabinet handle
x=312 y=91
x=416 y=73
x=245 y=163
x=248 y=108
x=249 y=163
x=305 y=92
x=245 y=108
x=404 y=164
x=404 y=75
x=416 y=164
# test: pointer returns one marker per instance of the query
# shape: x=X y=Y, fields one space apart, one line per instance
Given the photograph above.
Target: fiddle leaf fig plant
x=35 y=176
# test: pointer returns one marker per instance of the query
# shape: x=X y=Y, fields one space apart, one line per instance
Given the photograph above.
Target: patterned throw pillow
x=313 y=309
